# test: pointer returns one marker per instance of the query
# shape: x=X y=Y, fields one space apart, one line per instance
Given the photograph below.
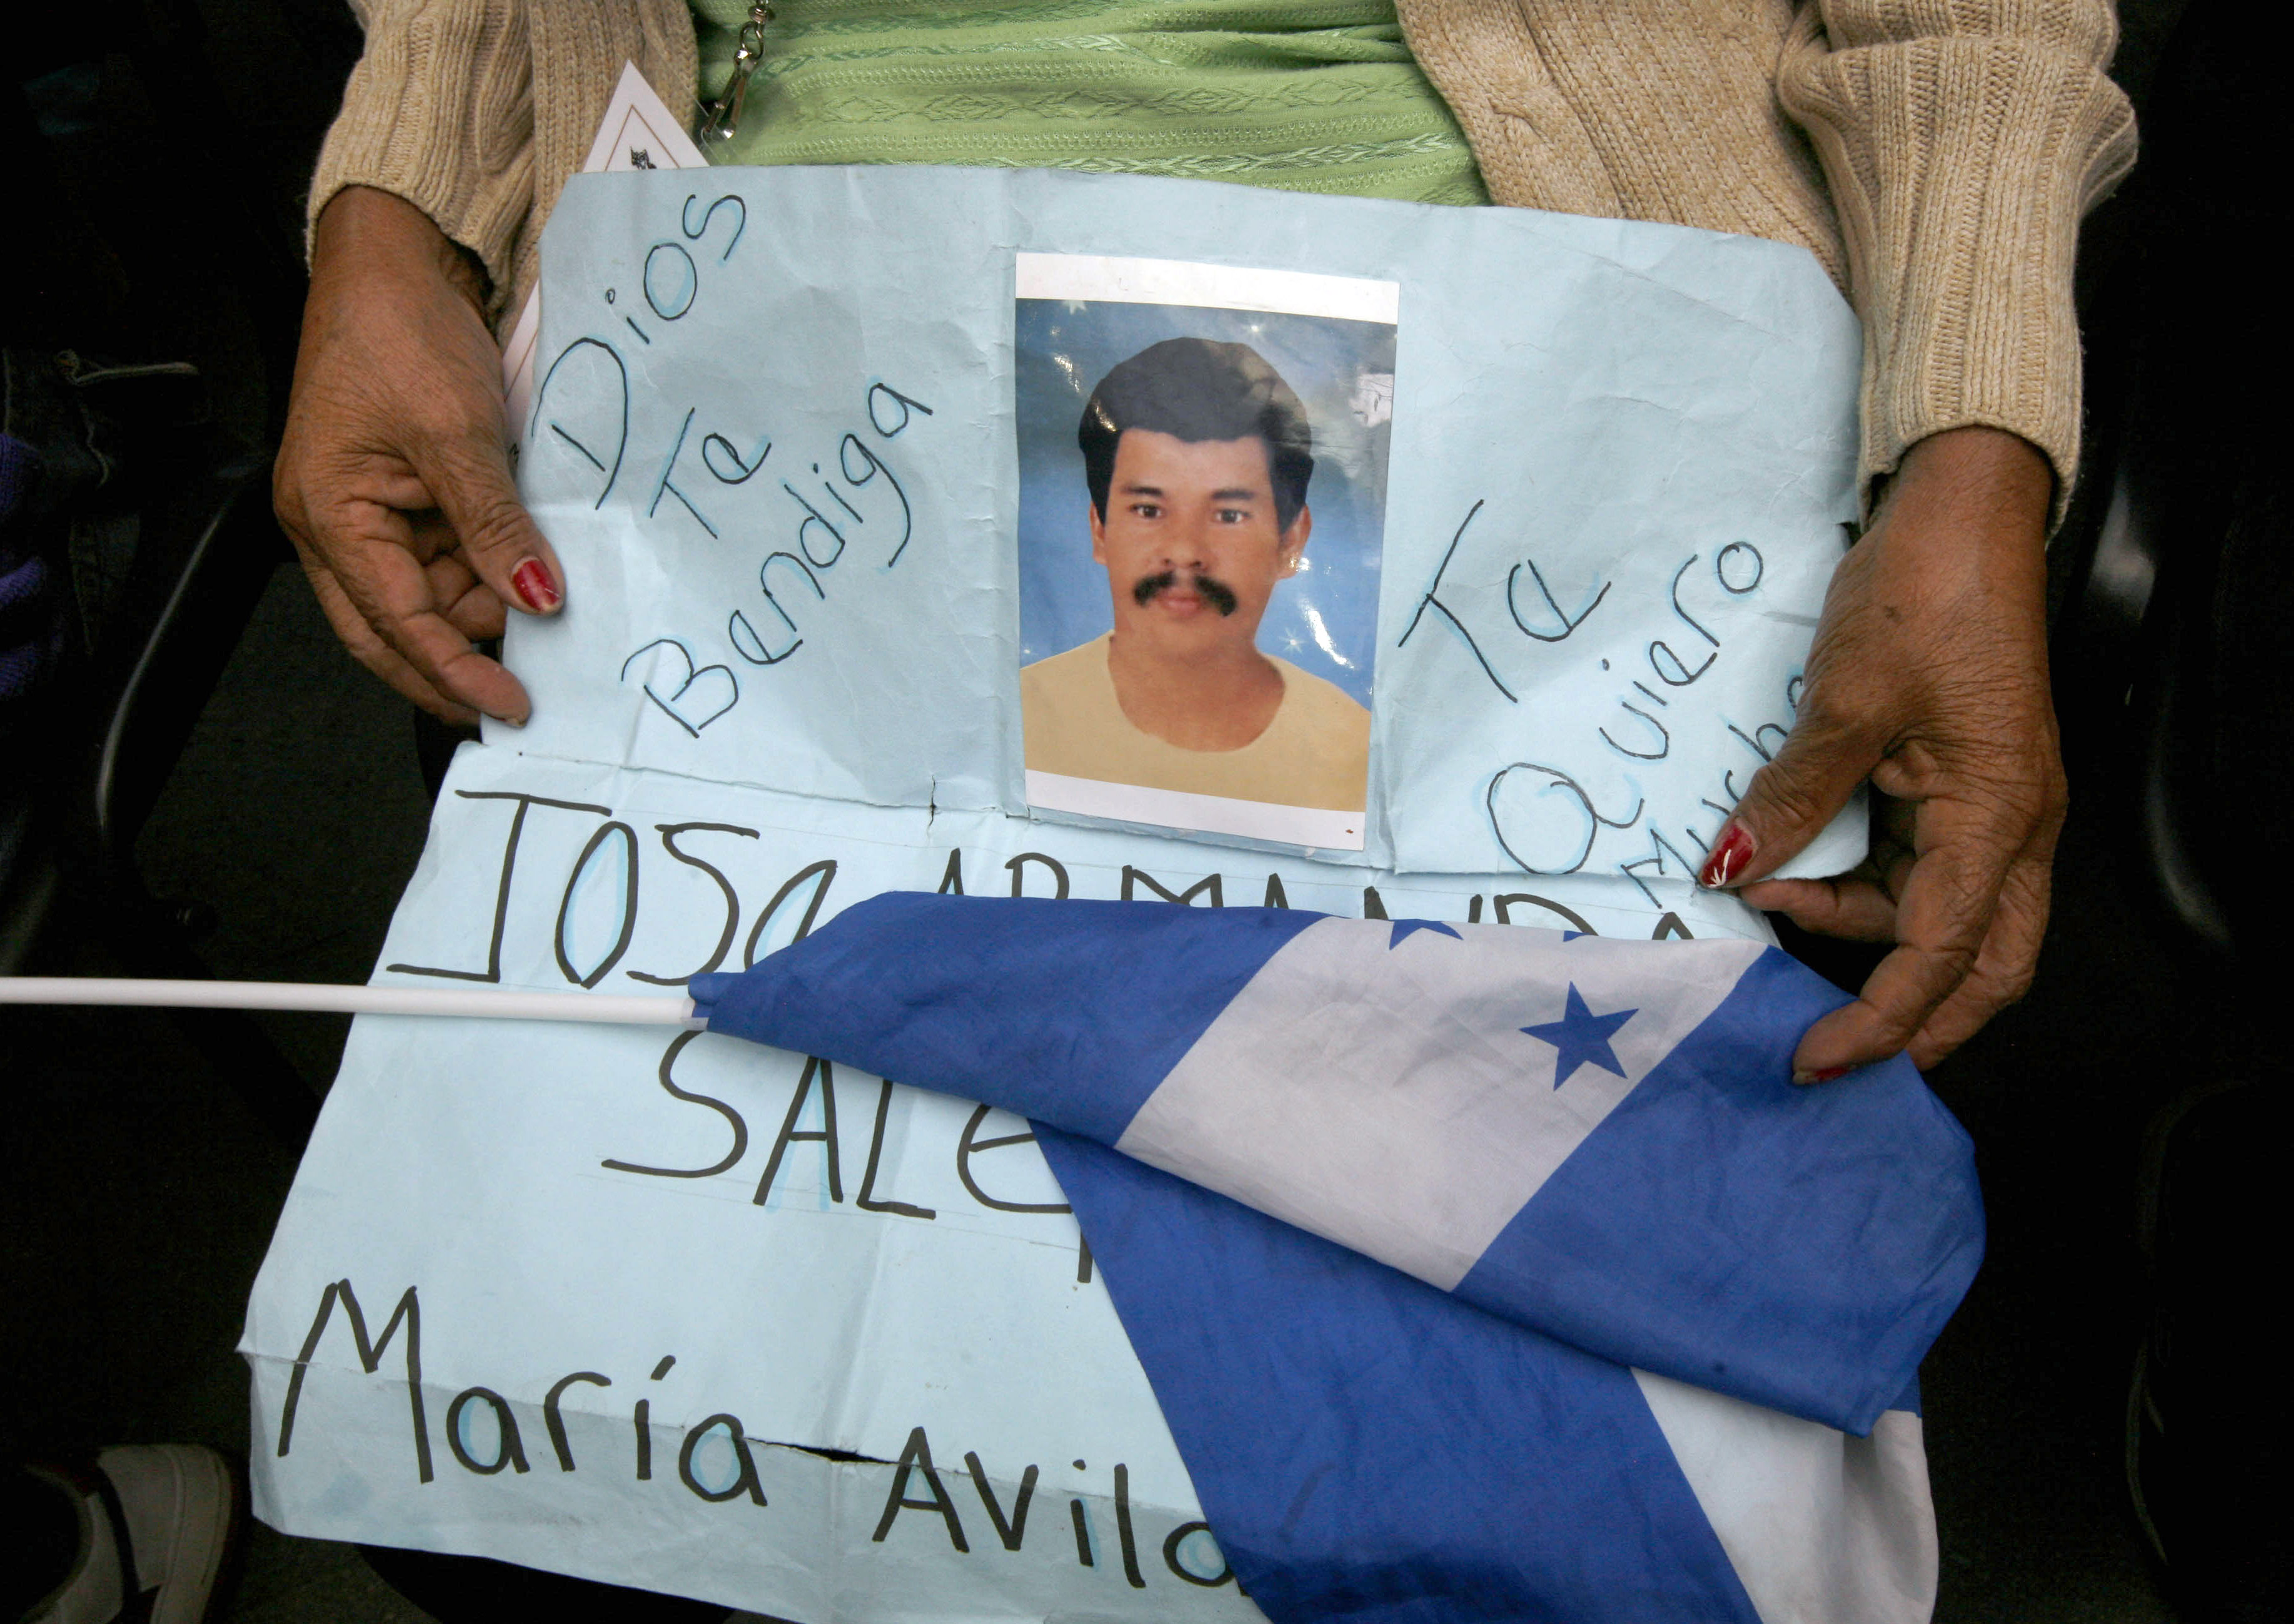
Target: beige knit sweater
x=1935 y=155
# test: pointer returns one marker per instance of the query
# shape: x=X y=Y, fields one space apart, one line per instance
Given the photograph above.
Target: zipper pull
x=722 y=117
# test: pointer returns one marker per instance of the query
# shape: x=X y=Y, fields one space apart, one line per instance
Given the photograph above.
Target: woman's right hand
x=394 y=478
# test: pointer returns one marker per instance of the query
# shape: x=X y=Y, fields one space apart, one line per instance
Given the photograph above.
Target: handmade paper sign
x=1578 y=492
x=679 y=1312
x=672 y=1310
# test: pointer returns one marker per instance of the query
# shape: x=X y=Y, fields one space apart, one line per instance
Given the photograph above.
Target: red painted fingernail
x=1728 y=859
x=1830 y=1074
x=531 y=579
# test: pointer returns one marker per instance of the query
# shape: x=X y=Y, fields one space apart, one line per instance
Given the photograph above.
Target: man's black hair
x=1195 y=389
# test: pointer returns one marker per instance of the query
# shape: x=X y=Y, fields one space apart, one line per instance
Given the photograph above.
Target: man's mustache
x=1216 y=593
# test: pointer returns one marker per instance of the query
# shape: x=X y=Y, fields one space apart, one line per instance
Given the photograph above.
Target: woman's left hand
x=1929 y=675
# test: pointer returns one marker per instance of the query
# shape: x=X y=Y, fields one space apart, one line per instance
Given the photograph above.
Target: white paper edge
x=1174 y=808
x=1110 y=279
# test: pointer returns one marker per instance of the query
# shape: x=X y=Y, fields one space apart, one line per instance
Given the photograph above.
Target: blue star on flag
x=1403 y=928
x=1579 y=1036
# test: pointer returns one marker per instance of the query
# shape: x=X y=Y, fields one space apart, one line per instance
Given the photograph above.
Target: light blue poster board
x=780 y=461
x=675 y=1311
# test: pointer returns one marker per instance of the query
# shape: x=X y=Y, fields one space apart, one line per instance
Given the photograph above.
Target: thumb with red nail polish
x=535 y=588
x=1731 y=856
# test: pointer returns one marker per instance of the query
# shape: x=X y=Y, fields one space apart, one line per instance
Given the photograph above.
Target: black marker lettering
x=970 y=1144
x=917 y=1457
x=622 y=432
x=665 y=489
x=577 y=446
x=1680 y=676
x=845 y=448
x=510 y=1449
x=866 y=1200
x=1373 y=904
x=740 y=1129
x=669 y=833
x=1684 y=614
x=812 y=516
x=1659 y=849
x=628 y=903
x=876 y=416
x=680 y=290
x=369 y=1354
x=1663 y=735
x=743 y=471
x=1753 y=741
x=826 y=872
x=1730 y=566
x=951 y=880
x=1178 y=1537
x=1576 y=921
x=554 y=1419
x=1208 y=885
x=694 y=233
x=825 y=1135
x=1010 y=1533
x=744 y=636
x=668 y=706
x=493 y=972
x=744 y=1480
x=1276 y=897
x=1082 y=1522
x=1122 y=1527
x=1430 y=601
x=1555 y=780
x=643 y=1416
x=1546 y=592
x=1018 y=870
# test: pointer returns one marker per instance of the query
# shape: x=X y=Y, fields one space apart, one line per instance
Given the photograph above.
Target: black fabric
x=39 y=1538
x=2207 y=446
x=2215 y=1424
x=2250 y=730
x=473 y=1590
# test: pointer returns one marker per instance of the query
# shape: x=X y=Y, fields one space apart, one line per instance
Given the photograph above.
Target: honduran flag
x=1646 y=1350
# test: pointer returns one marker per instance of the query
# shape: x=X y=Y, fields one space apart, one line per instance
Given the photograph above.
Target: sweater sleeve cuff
x=439 y=111
x=1961 y=165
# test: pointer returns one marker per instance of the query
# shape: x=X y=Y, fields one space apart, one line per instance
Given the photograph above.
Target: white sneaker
x=154 y=1532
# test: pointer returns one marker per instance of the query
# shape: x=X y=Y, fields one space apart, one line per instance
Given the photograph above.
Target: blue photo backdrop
x=1324 y=619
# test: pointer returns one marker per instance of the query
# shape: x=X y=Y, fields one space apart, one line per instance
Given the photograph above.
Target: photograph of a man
x=1197 y=456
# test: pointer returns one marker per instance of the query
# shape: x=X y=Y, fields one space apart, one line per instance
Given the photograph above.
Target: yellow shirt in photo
x=1315 y=752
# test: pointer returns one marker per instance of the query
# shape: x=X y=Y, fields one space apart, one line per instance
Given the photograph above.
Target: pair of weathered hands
x=1929 y=674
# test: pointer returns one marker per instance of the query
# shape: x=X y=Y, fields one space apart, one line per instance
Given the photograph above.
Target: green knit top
x=1308 y=95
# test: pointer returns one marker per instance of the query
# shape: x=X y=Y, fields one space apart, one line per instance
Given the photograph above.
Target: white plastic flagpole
x=486 y=1003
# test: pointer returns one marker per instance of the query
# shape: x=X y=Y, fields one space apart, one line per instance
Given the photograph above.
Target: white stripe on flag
x=1822 y=1528
x=1372 y=1083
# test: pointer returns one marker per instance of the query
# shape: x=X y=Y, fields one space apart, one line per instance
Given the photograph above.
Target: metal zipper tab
x=722 y=117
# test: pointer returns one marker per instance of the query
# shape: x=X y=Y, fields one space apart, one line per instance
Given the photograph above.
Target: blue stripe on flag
x=1798 y=1247
x=942 y=989
x=1367 y=1448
